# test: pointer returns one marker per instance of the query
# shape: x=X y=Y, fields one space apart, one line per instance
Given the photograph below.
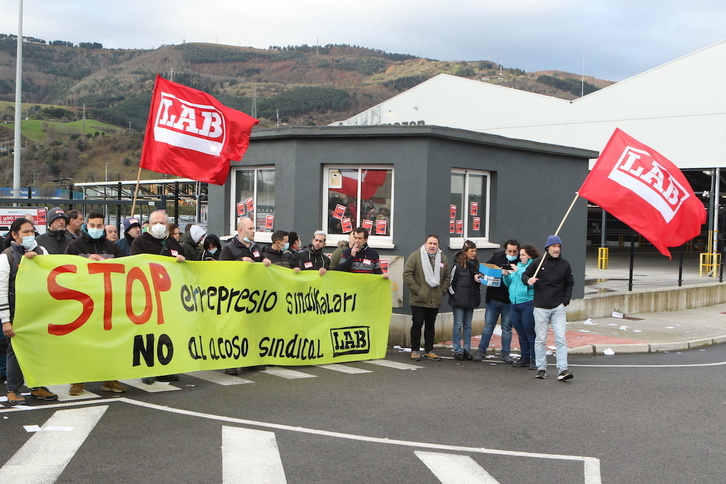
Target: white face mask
x=28 y=242
x=159 y=231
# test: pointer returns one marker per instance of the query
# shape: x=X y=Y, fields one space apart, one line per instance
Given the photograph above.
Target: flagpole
x=136 y=192
x=541 y=261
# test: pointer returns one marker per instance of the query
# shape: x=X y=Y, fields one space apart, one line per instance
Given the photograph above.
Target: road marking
x=287 y=373
x=62 y=392
x=685 y=365
x=393 y=364
x=453 y=469
x=219 y=377
x=351 y=370
x=156 y=387
x=46 y=454
x=251 y=456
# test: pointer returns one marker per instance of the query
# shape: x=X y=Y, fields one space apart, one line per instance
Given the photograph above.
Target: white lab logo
x=196 y=127
x=637 y=171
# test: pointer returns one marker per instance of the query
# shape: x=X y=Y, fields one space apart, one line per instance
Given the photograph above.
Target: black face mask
x=57 y=233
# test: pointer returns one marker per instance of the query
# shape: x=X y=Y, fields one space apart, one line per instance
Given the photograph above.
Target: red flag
x=191 y=134
x=643 y=189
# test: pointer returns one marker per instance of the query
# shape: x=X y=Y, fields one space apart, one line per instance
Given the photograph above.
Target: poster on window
x=339 y=211
x=452 y=226
x=474 y=209
x=241 y=209
x=476 y=223
x=367 y=224
x=335 y=180
x=250 y=203
x=459 y=226
x=384 y=265
x=452 y=211
x=347 y=225
x=381 y=227
x=269 y=222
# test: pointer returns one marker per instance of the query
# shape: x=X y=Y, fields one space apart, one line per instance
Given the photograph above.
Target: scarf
x=431 y=274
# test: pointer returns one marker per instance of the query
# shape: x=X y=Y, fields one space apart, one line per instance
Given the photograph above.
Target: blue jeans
x=3 y=354
x=522 y=316
x=558 y=318
x=494 y=309
x=462 y=319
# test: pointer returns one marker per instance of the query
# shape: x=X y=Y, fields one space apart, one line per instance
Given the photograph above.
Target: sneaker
x=432 y=356
x=480 y=355
x=42 y=393
x=15 y=398
x=467 y=356
x=533 y=365
x=173 y=377
x=415 y=356
x=76 y=389
x=149 y=380
x=541 y=374
x=231 y=371
x=113 y=386
x=520 y=363
x=459 y=356
x=508 y=359
x=565 y=375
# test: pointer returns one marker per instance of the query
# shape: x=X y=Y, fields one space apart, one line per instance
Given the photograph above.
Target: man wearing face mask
x=55 y=240
x=92 y=242
x=242 y=247
x=157 y=241
x=276 y=251
x=497 y=303
x=93 y=245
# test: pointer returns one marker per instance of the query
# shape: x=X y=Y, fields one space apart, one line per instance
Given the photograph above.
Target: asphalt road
x=657 y=418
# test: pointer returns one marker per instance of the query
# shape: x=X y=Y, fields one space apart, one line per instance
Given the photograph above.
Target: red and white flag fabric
x=191 y=134
x=644 y=190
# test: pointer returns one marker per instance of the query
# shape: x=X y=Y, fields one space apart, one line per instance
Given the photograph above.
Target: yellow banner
x=81 y=321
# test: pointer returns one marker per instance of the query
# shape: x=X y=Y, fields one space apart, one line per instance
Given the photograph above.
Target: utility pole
x=18 y=104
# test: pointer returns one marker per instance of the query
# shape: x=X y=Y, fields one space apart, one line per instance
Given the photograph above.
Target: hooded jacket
x=309 y=259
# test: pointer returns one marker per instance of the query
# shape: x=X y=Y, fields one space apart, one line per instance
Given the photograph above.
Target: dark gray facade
x=532 y=184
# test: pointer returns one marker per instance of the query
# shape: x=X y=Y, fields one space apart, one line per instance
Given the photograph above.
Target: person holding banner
x=93 y=244
x=242 y=247
x=552 y=278
x=276 y=251
x=19 y=243
x=158 y=241
x=311 y=258
x=464 y=297
x=426 y=273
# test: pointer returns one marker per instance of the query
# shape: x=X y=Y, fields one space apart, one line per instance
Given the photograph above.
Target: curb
x=633 y=348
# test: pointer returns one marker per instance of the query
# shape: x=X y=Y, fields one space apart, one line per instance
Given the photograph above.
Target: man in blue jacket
x=553 y=284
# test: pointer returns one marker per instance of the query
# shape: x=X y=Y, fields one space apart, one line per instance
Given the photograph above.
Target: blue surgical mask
x=286 y=246
x=246 y=239
x=213 y=250
x=512 y=258
x=95 y=233
x=28 y=242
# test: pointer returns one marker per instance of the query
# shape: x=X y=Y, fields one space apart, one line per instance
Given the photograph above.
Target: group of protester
x=68 y=234
x=533 y=293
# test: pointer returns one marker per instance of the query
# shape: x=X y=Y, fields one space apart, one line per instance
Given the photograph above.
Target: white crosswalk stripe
x=351 y=370
x=250 y=456
x=44 y=457
x=156 y=387
x=287 y=373
x=63 y=396
x=219 y=377
x=453 y=469
x=394 y=364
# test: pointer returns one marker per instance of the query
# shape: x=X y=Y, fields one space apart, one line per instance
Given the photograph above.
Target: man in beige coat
x=427 y=275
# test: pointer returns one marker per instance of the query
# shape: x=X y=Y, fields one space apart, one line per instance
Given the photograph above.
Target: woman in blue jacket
x=521 y=309
x=464 y=297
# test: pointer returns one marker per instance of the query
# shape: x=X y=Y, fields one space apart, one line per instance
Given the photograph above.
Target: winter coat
x=519 y=292
x=420 y=293
x=464 y=291
x=555 y=282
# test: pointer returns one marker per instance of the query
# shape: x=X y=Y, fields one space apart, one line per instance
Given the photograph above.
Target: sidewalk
x=636 y=333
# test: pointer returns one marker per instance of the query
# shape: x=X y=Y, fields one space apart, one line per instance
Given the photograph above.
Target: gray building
x=406 y=182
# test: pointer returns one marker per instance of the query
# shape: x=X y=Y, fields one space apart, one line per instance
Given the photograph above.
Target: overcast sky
x=608 y=39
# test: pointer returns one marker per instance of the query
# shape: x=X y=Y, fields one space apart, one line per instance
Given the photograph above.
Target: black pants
x=423 y=316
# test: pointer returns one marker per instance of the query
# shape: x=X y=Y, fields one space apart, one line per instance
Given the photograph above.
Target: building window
x=469 y=207
x=358 y=197
x=253 y=196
